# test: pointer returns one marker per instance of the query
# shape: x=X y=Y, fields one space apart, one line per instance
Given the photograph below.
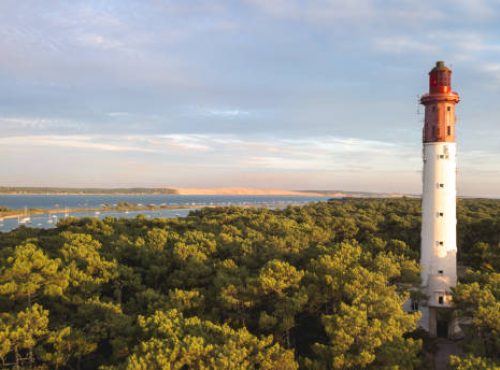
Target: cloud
x=211 y=112
x=222 y=159
x=89 y=45
x=118 y=114
x=281 y=153
x=457 y=45
x=316 y=10
x=9 y=124
x=327 y=153
x=403 y=44
x=100 y=42
x=409 y=12
x=333 y=153
x=491 y=73
x=277 y=86
x=229 y=113
x=86 y=143
x=186 y=142
x=479 y=10
x=480 y=161
x=116 y=143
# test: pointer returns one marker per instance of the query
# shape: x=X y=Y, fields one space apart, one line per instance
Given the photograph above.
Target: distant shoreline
x=29 y=190
x=229 y=191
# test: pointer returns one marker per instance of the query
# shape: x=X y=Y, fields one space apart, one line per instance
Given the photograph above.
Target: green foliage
x=480 y=301
x=363 y=312
x=175 y=342
x=320 y=285
x=63 y=345
x=478 y=232
x=87 y=269
x=473 y=363
x=20 y=333
x=30 y=272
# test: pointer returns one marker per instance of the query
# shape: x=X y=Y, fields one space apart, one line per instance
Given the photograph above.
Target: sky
x=293 y=94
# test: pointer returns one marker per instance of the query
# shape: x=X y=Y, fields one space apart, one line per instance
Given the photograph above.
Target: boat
x=26 y=220
x=50 y=219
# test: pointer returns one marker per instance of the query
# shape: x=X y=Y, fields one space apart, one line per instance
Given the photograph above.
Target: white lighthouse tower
x=439 y=220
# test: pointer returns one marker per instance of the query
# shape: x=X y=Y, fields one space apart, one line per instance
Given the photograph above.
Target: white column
x=439 y=220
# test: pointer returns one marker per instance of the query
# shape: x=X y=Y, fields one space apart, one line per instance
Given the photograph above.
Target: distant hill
x=242 y=191
x=356 y=194
x=27 y=190
x=313 y=193
x=87 y=191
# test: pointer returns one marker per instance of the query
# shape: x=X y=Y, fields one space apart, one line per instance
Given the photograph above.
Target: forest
x=319 y=286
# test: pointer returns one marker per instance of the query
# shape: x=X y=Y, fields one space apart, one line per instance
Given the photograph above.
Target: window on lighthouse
x=414 y=305
x=441 y=299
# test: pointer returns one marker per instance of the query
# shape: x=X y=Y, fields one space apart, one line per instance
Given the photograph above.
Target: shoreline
x=20 y=213
x=132 y=208
x=82 y=194
x=188 y=193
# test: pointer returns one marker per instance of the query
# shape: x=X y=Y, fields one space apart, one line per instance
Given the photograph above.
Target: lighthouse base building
x=438 y=259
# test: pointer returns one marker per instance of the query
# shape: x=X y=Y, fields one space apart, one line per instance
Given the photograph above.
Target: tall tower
x=439 y=220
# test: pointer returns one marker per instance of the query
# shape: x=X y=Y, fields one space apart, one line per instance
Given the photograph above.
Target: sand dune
x=241 y=191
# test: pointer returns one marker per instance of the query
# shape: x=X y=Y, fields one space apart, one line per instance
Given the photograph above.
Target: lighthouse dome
x=440 y=66
x=440 y=79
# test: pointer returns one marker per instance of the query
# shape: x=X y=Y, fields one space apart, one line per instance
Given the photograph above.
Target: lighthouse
x=439 y=216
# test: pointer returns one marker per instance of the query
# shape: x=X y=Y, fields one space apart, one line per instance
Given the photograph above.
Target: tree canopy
x=319 y=286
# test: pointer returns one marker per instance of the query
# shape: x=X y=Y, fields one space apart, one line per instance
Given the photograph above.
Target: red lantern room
x=440 y=79
x=439 y=106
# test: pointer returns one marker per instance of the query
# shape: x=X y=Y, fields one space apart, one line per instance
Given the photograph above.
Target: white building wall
x=439 y=220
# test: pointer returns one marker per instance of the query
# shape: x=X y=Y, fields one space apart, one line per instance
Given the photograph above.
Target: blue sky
x=318 y=94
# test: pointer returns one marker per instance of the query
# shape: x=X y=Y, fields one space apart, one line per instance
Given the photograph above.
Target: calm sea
x=64 y=202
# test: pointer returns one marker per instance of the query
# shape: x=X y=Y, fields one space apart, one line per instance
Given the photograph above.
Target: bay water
x=66 y=203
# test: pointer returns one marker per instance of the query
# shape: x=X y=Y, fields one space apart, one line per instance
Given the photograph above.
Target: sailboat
x=26 y=220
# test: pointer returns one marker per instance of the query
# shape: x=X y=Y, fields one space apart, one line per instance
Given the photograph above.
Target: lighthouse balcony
x=437 y=97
